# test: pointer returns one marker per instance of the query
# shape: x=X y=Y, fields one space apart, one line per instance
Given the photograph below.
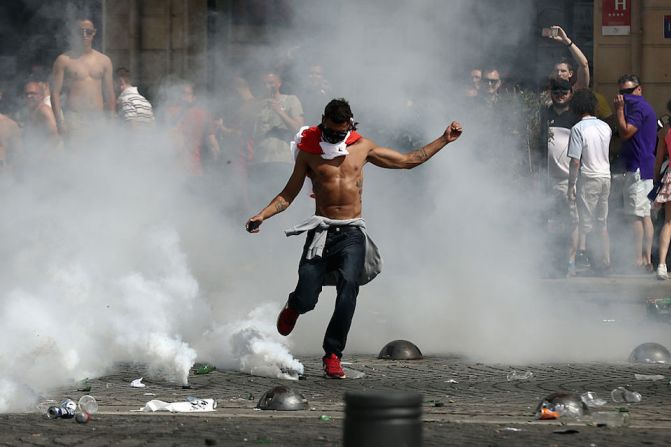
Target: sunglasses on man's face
x=560 y=92
x=87 y=32
x=332 y=136
x=492 y=81
x=628 y=91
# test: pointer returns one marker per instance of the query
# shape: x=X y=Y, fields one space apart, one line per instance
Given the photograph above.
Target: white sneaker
x=661 y=272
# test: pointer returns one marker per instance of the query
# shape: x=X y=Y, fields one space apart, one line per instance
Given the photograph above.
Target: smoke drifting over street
x=112 y=253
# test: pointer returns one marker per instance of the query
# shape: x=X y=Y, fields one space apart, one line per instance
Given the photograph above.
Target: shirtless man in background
x=87 y=77
x=333 y=156
x=40 y=125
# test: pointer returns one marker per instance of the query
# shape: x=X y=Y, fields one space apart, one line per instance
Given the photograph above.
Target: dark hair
x=81 y=18
x=124 y=73
x=338 y=111
x=584 y=102
x=568 y=62
x=629 y=78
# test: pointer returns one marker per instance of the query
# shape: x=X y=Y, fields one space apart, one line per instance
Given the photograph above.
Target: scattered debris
x=510 y=429
x=622 y=394
x=65 y=410
x=88 y=404
x=560 y=405
x=84 y=385
x=137 y=383
x=203 y=368
x=451 y=381
x=325 y=418
x=82 y=418
x=519 y=375
x=592 y=400
x=610 y=418
x=351 y=374
x=190 y=406
x=652 y=377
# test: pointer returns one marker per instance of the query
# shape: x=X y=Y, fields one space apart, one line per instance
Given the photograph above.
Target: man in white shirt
x=589 y=169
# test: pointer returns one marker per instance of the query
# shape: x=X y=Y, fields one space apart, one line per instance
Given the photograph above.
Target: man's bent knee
x=303 y=303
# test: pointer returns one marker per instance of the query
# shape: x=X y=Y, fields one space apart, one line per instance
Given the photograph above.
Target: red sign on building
x=615 y=17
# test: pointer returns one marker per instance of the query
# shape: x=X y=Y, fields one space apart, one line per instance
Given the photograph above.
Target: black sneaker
x=581 y=260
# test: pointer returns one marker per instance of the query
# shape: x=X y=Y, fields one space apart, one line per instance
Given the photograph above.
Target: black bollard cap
x=400 y=350
x=650 y=353
x=383 y=399
x=282 y=398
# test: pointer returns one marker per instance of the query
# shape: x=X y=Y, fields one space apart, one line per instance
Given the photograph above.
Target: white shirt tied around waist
x=373 y=260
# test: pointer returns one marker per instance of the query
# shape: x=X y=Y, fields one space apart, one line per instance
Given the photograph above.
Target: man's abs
x=338 y=199
x=85 y=95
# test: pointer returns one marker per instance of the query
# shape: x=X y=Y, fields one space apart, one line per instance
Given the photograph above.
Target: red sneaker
x=286 y=320
x=332 y=368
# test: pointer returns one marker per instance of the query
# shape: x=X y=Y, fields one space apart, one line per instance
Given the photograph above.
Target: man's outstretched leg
x=351 y=249
x=304 y=298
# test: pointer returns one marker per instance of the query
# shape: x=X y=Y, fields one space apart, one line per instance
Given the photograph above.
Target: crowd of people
x=59 y=108
x=592 y=153
x=584 y=146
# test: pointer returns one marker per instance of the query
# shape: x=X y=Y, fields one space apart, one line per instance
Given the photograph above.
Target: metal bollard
x=383 y=419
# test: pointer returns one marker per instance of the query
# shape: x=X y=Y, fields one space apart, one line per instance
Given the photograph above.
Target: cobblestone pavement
x=465 y=403
x=481 y=408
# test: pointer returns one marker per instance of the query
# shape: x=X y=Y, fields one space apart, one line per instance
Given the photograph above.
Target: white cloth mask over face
x=331 y=151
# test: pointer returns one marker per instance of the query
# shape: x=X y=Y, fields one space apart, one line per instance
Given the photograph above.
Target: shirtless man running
x=87 y=77
x=337 y=250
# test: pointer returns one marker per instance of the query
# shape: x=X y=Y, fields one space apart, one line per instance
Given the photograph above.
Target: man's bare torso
x=338 y=183
x=83 y=77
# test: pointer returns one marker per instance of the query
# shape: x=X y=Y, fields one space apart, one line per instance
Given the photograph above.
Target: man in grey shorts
x=589 y=169
x=637 y=127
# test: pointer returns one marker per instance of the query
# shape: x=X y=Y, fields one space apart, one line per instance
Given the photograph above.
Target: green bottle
x=204 y=368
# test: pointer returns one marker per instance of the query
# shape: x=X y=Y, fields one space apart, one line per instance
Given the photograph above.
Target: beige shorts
x=565 y=208
x=592 y=199
x=636 y=202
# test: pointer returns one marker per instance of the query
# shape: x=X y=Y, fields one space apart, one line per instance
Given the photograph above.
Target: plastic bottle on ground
x=88 y=404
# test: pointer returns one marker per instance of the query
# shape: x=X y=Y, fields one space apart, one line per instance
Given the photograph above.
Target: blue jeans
x=344 y=254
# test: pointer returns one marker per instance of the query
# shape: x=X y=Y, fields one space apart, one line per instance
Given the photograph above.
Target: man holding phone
x=637 y=127
x=564 y=69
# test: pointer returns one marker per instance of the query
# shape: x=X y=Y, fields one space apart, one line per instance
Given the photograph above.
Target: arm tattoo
x=281 y=205
x=419 y=155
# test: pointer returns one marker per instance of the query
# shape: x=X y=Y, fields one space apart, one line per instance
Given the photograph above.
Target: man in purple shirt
x=637 y=126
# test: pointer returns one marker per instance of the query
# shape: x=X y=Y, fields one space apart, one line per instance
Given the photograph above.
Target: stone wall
x=644 y=52
x=157 y=38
